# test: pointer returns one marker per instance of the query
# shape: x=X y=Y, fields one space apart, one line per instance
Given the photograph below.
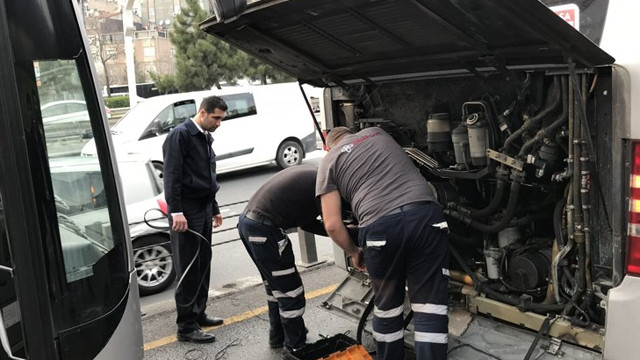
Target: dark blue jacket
x=189 y=169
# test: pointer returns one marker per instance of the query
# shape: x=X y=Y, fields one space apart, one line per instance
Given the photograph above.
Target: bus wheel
x=154 y=265
x=289 y=154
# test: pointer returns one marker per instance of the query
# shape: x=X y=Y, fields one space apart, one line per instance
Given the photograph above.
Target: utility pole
x=127 y=22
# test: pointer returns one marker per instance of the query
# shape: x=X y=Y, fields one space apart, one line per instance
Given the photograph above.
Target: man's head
x=212 y=111
x=336 y=134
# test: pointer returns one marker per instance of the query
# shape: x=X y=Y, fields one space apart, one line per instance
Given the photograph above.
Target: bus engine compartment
x=514 y=161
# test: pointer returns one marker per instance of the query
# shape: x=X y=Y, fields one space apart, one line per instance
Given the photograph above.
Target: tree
x=256 y=69
x=105 y=47
x=201 y=60
x=166 y=83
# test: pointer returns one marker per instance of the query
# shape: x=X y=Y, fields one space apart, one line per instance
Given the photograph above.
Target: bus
x=67 y=281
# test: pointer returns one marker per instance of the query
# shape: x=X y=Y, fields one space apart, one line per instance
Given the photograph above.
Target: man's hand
x=358 y=259
x=179 y=223
x=217 y=220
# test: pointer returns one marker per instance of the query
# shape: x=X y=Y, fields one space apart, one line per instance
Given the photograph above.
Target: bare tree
x=106 y=47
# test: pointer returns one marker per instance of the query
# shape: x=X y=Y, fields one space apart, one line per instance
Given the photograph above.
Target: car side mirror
x=227 y=10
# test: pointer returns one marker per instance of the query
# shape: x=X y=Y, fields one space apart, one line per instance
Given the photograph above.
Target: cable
x=223 y=352
x=461 y=345
x=195 y=256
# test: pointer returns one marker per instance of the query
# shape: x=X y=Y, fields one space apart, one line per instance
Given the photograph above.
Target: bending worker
x=190 y=187
x=285 y=201
x=402 y=233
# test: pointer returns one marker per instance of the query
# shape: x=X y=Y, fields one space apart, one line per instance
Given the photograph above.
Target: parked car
x=528 y=130
x=77 y=186
x=67 y=117
x=66 y=110
x=264 y=124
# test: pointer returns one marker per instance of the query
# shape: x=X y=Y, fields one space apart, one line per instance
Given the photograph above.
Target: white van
x=264 y=124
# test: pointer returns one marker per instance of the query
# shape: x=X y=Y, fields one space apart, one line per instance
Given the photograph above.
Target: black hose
x=557 y=222
x=533 y=122
x=493 y=205
x=491 y=228
x=506 y=217
x=551 y=129
x=363 y=320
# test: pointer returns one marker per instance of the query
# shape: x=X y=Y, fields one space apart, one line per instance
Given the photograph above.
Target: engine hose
x=550 y=130
x=506 y=217
x=363 y=320
x=533 y=122
x=557 y=222
x=579 y=281
x=491 y=228
x=493 y=205
x=195 y=256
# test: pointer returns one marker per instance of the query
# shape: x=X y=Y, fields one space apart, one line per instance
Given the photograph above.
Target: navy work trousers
x=409 y=247
x=192 y=294
x=271 y=251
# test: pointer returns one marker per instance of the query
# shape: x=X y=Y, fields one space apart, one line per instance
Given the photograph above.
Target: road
x=231 y=266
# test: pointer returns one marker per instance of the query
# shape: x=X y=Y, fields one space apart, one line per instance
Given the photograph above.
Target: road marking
x=237 y=318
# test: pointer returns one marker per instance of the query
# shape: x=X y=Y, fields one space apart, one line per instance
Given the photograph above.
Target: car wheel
x=154 y=265
x=289 y=154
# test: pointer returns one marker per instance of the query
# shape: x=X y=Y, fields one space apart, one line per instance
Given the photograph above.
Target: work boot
x=276 y=340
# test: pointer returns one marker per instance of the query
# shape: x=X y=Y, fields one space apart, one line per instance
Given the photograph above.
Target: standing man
x=286 y=200
x=402 y=234
x=190 y=187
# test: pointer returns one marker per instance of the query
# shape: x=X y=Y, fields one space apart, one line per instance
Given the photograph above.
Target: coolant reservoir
x=478 y=139
x=460 y=139
x=438 y=132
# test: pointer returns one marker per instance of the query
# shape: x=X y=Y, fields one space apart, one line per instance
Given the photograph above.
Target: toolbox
x=337 y=347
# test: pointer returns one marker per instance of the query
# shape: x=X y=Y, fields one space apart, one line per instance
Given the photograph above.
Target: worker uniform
x=403 y=236
x=285 y=201
x=190 y=187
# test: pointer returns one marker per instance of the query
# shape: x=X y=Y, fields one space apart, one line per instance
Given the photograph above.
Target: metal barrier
x=306 y=240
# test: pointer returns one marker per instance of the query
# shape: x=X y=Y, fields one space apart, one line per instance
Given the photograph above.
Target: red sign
x=569 y=13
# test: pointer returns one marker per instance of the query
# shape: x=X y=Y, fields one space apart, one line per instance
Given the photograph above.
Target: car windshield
x=132 y=118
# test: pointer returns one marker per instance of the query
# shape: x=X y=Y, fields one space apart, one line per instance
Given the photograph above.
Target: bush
x=117 y=101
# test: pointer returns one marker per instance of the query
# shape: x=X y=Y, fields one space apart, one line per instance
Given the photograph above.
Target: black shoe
x=276 y=341
x=197 y=336
x=289 y=353
x=207 y=321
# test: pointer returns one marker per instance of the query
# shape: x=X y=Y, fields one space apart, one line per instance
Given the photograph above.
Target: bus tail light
x=633 y=232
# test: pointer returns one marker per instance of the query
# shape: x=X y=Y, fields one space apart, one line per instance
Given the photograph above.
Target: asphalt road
x=231 y=266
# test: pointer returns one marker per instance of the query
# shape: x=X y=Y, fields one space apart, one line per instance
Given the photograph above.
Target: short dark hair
x=211 y=103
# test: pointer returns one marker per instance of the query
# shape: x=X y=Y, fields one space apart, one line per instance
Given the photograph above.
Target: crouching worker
x=286 y=200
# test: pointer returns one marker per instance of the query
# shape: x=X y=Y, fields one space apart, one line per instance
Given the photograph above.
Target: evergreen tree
x=202 y=60
x=256 y=69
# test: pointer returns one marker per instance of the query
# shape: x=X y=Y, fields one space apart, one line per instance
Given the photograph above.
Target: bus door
x=67 y=282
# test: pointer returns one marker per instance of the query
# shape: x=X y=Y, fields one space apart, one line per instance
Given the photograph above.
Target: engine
x=511 y=164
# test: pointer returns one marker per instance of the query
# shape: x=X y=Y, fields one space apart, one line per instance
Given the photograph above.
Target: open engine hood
x=323 y=42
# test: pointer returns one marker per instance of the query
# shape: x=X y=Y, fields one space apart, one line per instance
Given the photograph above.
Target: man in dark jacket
x=190 y=187
x=286 y=200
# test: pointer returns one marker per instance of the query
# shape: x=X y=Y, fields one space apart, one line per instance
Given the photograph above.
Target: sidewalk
x=245 y=332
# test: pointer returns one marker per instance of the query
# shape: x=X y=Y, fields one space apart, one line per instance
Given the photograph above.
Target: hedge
x=117 y=101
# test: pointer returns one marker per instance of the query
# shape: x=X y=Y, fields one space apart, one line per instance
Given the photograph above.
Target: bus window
x=79 y=192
